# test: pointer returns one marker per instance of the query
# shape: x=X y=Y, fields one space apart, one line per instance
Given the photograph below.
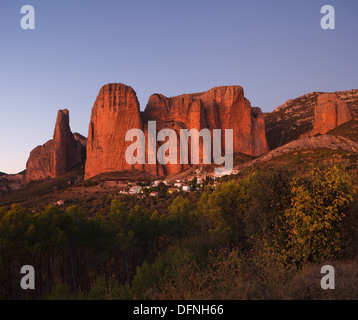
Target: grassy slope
x=347 y=130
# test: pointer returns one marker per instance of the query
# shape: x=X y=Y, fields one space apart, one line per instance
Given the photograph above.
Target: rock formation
x=219 y=108
x=116 y=110
x=294 y=119
x=59 y=155
x=330 y=112
x=10 y=182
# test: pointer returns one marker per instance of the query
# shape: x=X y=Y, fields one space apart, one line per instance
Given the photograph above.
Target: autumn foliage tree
x=313 y=220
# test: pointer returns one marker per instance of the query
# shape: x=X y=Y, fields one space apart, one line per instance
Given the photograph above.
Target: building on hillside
x=186 y=188
x=173 y=190
x=155 y=183
x=223 y=173
x=135 y=190
x=200 y=180
x=154 y=194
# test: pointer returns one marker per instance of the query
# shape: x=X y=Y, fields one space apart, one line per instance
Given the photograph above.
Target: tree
x=222 y=212
x=124 y=237
x=193 y=183
x=266 y=227
x=76 y=230
x=104 y=289
x=313 y=220
x=15 y=248
x=50 y=241
x=132 y=230
x=181 y=219
x=162 y=190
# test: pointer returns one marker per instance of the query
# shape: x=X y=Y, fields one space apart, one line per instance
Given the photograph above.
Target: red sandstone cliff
x=116 y=110
x=219 y=108
x=59 y=155
x=330 y=112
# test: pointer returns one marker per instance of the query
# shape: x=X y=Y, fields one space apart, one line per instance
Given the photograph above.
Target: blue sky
x=275 y=49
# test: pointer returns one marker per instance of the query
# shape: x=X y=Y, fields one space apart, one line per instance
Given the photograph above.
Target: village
x=198 y=179
x=195 y=181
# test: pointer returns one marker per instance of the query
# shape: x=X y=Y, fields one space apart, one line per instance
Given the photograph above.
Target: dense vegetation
x=263 y=236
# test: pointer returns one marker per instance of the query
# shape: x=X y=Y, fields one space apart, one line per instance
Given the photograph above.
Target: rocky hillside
x=323 y=141
x=10 y=182
x=295 y=117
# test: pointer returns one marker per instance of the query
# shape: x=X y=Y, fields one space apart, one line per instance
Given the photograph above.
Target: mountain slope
x=295 y=117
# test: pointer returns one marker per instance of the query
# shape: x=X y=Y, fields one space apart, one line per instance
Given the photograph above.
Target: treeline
x=260 y=237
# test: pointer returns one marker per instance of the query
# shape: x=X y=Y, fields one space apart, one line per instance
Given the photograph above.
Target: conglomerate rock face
x=116 y=111
x=330 y=112
x=58 y=155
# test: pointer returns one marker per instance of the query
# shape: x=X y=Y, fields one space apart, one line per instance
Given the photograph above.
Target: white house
x=156 y=183
x=223 y=173
x=186 y=188
x=135 y=190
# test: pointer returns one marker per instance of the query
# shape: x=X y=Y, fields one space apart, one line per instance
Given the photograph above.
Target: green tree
x=61 y=292
x=222 y=212
x=15 y=249
x=162 y=190
x=123 y=235
x=146 y=278
x=266 y=227
x=104 y=289
x=131 y=230
x=50 y=241
x=181 y=219
x=313 y=221
x=193 y=183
